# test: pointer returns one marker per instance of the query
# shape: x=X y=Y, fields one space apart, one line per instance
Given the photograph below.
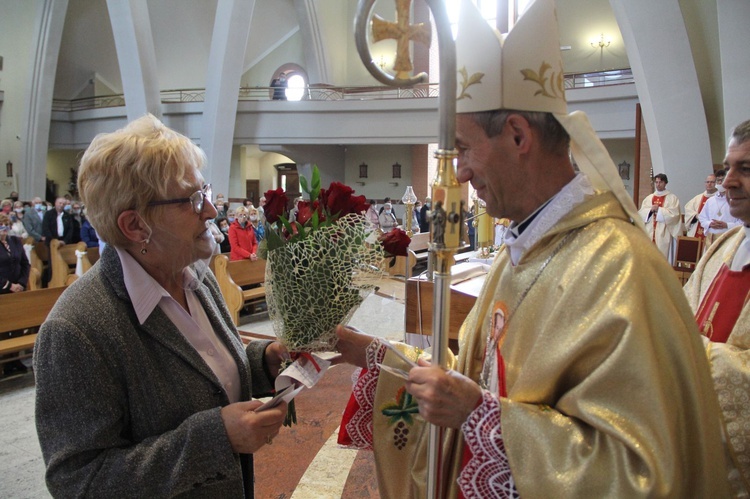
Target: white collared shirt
x=146 y=294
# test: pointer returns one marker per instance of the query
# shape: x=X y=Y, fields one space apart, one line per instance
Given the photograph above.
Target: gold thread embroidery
x=467 y=81
x=556 y=81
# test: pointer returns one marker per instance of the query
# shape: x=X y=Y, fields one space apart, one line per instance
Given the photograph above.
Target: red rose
x=305 y=211
x=339 y=200
x=395 y=242
x=276 y=203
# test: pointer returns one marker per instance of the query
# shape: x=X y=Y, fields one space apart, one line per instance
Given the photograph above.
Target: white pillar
x=46 y=46
x=316 y=63
x=659 y=52
x=734 y=41
x=225 y=63
x=131 y=27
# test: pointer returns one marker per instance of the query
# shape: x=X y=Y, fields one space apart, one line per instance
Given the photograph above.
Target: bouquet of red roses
x=323 y=264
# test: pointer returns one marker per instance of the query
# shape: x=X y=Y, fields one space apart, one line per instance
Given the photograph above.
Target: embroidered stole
x=723 y=303
x=699 y=233
x=659 y=201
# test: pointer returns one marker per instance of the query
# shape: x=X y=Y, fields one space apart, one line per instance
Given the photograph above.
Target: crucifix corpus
x=403 y=32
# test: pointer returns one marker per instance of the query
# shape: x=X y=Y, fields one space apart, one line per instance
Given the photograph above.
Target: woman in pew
x=14 y=266
x=14 y=278
x=242 y=239
x=143 y=384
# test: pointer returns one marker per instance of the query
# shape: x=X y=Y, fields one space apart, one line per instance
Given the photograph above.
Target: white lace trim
x=359 y=426
x=573 y=194
x=487 y=474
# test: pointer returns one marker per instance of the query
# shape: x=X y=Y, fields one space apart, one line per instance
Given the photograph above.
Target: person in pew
x=223 y=225
x=592 y=380
x=14 y=278
x=16 y=219
x=253 y=216
x=372 y=215
x=143 y=385
x=719 y=293
x=14 y=265
x=424 y=215
x=386 y=219
x=242 y=239
x=32 y=220
x=88 y=233
x=58 y=223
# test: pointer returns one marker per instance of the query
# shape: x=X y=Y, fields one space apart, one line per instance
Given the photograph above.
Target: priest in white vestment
x=660 y=212
x=716 y=218
x=694 y=207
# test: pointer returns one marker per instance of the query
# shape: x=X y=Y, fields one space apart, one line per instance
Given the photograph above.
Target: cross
x=403 y=33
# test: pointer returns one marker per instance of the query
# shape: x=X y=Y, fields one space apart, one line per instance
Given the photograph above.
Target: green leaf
x=274 y=240
x=315 y=184
x=303 y=184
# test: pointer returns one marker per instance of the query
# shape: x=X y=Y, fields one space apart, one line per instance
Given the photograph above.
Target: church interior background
x=206 y=69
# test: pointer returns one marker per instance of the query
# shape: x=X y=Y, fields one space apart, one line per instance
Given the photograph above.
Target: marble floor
x=304 y=461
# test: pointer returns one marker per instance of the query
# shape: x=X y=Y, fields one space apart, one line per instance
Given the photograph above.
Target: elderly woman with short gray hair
x=143 y=384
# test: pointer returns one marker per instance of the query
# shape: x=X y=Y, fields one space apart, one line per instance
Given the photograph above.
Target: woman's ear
x=133 y=226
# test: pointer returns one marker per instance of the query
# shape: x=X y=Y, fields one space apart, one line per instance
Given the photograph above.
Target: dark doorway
x=288 y=179
x=252 y=191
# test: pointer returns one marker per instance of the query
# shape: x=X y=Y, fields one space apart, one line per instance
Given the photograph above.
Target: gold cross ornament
x=403 y=33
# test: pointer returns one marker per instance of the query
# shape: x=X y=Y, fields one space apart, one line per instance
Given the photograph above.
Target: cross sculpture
x=403 y=33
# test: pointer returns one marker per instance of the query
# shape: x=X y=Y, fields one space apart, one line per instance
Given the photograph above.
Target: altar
x=466 y=282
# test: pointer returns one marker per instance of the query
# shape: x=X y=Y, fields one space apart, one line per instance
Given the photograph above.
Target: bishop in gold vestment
x=580 y=370
x=608 y=391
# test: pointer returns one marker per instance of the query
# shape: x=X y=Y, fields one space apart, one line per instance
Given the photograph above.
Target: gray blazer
x=32 y=223
x=124 y=410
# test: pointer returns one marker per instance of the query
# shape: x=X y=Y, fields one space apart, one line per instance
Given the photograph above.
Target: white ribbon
x=28 y=248
x=79 y=262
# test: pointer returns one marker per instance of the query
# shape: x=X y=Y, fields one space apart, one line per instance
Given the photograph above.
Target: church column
x=659 y=52
x=735 y=61
x=316 y=64
x=48 y=36
x=131 y=27
x=225 y=63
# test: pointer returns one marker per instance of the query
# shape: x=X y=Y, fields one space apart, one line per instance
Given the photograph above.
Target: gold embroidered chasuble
x=609 y=392
x=730 y=361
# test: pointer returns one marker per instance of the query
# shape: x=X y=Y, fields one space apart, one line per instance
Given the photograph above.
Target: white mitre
x=523 y=71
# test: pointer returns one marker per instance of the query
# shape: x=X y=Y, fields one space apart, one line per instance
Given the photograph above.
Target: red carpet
x=279 y=467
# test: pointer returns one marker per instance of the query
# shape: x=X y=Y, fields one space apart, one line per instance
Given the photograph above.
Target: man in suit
x=32 y=219
x=60 y=224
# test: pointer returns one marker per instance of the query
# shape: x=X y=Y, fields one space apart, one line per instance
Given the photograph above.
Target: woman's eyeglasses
x=196 y=199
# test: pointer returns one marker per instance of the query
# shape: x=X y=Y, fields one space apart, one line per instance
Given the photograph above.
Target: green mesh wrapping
x=317 y=283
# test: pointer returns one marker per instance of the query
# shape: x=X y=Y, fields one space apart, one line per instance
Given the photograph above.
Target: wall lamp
x=601 y=43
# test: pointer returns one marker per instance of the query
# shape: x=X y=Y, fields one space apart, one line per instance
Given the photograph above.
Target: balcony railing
x=331 y=93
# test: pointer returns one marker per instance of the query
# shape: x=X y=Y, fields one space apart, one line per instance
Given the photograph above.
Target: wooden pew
x=37 y=265
x=25 y=310
x=233 y=276
x=63 y=261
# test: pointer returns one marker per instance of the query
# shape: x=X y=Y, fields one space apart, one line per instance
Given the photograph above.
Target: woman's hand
x=352 y=345
x=445 y=398
x=275 y=354
x=253 y=257
x=247 y=430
